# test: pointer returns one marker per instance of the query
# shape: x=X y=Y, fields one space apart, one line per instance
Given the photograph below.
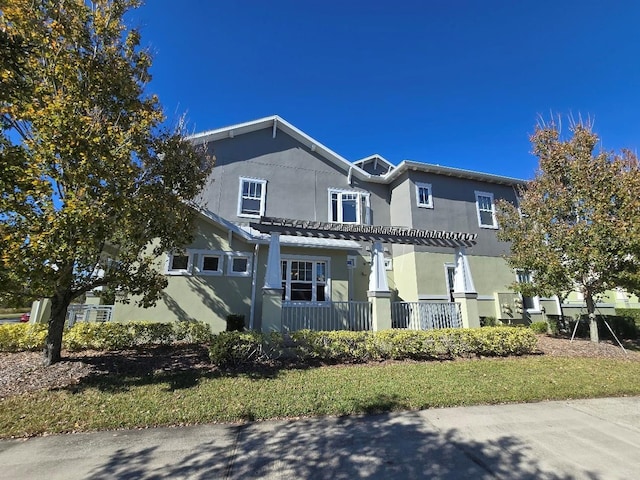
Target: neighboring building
x=269 y=168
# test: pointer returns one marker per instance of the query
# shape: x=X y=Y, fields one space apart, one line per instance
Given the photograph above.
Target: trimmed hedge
x=237 y=348
x=622 y=325
x=539 y=327
x=632 y=313
x=104 y=336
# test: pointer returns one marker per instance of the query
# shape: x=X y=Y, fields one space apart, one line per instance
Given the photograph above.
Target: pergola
x=464 y=288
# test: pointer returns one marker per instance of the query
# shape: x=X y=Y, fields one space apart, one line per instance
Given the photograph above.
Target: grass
x=186 y=398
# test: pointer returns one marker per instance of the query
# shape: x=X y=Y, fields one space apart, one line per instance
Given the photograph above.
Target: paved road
x=9 y=320
x=584 y=439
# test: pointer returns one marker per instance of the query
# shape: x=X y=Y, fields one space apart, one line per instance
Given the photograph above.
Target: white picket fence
x=425 y=315
x=325 y=316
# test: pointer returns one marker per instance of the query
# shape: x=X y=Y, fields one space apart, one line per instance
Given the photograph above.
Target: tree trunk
x=53 y=342
x=593 y=324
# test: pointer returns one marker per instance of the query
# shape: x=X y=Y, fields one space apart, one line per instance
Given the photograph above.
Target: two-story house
x=269 y=168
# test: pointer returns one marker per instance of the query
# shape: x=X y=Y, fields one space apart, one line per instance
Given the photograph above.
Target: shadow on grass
x=375 y=446
x=180 y=367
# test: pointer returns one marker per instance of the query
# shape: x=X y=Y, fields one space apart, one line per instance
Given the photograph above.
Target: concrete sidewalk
x=591 y=439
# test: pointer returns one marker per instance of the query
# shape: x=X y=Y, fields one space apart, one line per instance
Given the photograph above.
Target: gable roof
x=276 y=123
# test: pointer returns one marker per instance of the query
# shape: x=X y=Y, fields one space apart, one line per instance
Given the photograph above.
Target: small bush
x=539 y=327
x=18 y=337
x=233 y=348
x=238 y=348
x=104 y=336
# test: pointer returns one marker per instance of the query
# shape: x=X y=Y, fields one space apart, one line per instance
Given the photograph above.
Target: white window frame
x=429 y=202
x=489 y=195
x=362 y=206
x=535 y=299
x=179 y=271
x=314 y=260
x=233 y=255
x=209 y=253
x=262 y=198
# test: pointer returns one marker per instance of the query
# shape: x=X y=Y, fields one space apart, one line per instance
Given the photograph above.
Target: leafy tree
x=576 y=226
x=94 y=189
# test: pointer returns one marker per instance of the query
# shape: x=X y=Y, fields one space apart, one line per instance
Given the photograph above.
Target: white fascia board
x=407 y=165
x=286 y=127
x=380 y=158
x=230 y=227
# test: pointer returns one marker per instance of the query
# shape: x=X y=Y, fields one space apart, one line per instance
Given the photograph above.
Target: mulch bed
x=23 y=372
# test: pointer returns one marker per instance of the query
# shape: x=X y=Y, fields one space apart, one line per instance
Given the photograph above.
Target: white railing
x=354 y=316
x=425 y=316
x=89 y=313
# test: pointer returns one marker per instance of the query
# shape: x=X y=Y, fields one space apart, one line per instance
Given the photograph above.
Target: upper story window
x=423 y=195
x=251 y=200
x=347 y=206
x=486 y=210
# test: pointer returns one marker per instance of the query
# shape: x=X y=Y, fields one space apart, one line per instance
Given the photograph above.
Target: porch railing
x=89 y=313
x=425 y=315
x=353 y=316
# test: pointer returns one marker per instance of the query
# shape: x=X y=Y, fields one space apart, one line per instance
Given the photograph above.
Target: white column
x=462 y=280
x=271 y=320
x=378 y=276
x=273 y=277
x=464 y=291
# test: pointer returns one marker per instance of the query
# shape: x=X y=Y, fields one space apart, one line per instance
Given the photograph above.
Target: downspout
x=256 y=251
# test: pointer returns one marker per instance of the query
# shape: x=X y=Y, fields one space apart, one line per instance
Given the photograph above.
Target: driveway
x=582 y=439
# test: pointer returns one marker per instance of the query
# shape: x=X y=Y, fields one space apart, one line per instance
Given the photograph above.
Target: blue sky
x=456 y=83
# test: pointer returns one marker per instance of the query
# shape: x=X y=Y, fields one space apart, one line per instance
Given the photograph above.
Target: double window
x=423 y=195
x=486 y=210
x=251 y=200
x=347 y=206
x=305 y=280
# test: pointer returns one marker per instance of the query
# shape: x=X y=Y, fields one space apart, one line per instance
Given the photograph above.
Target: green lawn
x=125 y=402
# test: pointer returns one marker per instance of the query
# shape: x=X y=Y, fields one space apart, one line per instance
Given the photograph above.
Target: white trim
x=199 y=267
x=338 y=160
x=263 y=196
x=429 y=202
x=362 y=205
x=307 y=258
x=180 y=271
x=486 y=298
x=231 y=256
x=489 y=195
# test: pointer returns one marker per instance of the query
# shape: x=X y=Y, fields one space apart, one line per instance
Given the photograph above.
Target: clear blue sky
x=457 y=83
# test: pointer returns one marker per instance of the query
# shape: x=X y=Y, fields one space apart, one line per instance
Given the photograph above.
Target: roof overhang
x=276 y=122
x=365 y=233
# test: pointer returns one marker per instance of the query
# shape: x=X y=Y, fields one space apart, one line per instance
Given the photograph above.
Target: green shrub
x=104 y=336
x=238 y=348
x=18 y=337
x=233 y=348
x=632 y=313
x=539 y=327
x=622 y=326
